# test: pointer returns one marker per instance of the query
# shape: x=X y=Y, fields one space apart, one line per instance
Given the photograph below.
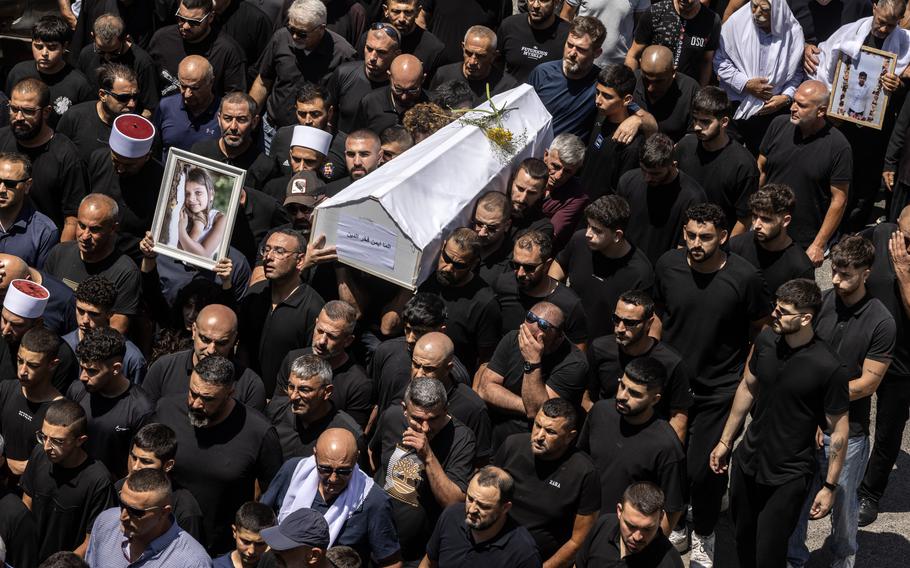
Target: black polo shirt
x=221 y=464
x=112 y=423
x=65 y=263
x=658 y=213
x=347 y=85
x=607 y=363
x=135 y=58
x=353 y=390
x=729 y=176
x=169 y=375
x=602 y=549
x=533 y=219
x=452 y=544
x=624 y=453
x=267 y=335
x=549 y=493
x=498 y=80
x=298 y=439
x=796 y=389
x=515 y=304
x=883 y=285
x=496 y=263
x=607 y=160
x=523 y=48
x=289 y=67
x=248 y=25
x=20 y=418
x=84 y=127
x=708 y=316
x=377 y=111
x=673 y=111
x=168 y=49
x=67 y=86
x=777 y=267
x=865 y=330
x=600 y=281
x=58 y=175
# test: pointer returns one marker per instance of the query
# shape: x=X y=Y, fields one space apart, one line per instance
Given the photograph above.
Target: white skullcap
x=312 y=138
x=132 y=136
x=26 y=299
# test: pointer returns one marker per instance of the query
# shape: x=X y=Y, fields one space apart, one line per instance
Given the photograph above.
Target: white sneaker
x=680 y=540
x=702 y=555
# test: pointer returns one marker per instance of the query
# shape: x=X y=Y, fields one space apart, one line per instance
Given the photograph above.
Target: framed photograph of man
x=857 y=94
x=197 y=205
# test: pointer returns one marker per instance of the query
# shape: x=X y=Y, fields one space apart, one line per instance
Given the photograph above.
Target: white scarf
x=304 y=485
x=740 y=40
x=848 y=40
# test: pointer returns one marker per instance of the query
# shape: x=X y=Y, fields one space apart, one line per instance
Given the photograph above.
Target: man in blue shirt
x=190 y=116
x=24 y=232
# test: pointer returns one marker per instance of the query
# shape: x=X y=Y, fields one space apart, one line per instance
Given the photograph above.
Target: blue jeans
x=844 y=514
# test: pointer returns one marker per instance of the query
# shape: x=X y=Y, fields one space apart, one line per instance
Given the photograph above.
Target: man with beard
x=89 y=124
x=308 y=152
x=415 y=40
x=24 y=232
x=526 y=193
x=609 y=355
x=482 y=518
x=386 y=106
x=663 y=92
x=473 y=321
x=50 y=47
x=599 y=263
x=305 y=408
x=548 y=468
x=527 y=282
x=477 y=69
x=492 y=222
x=214 y=333
x=721 y=165
x=58 y=183
x=190 y=115
x=115 y=407
x=362 y=151
x=526 y=41
x=768 y=246
x=353 y=80
x=632 y=535
x=223 y=447
x=658 y=195
x=793 y=380
x=628 y=442
x=712 y=304
x=194 y=34
x=333 y=334
x=565 y=198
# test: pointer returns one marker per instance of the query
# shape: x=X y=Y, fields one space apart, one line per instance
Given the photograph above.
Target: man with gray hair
x=424 y=459
x=223 y=447
x=191 y=114
x=303 y=50
x=306 y=408
x=477 y=69
x=565 y=197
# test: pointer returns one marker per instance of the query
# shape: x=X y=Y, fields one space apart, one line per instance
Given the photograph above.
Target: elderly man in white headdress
x=358 y=511
x=309 y=149
x=758 y=63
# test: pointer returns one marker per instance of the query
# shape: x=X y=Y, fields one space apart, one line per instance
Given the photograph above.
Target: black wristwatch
x=529 y=367
x=830 y=486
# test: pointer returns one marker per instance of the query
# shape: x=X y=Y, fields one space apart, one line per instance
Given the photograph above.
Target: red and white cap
x=312 y=138
x=26 y=299
x=132 y=136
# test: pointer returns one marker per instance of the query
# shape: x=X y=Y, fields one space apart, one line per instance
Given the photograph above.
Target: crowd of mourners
x=569 y=387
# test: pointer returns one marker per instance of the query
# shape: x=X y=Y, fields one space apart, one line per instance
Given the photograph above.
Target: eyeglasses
x=299 y=32
x=527 y=267
x=278 y=252
x=457 y=265
x=190 y=21
x=44 y=438
x=410 y=92
x=12 y=183
x=14 y=110
x=628 y=322
x=121 y=97
x=389 y=30
x=329 y=470
x=136 y=512
x=543 y=324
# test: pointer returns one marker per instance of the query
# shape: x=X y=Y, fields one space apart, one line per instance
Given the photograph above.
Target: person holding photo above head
x=200 y=227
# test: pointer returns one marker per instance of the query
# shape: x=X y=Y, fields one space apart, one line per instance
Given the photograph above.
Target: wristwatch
x=830 y=486
x=529 y=367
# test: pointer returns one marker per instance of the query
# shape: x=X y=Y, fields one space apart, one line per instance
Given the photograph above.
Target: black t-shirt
x=474 y=320
x=65 y=263
x=809 y=166
x=625 y=453
x=18 y=530
x=689 y=40
x=658 y=213
x=883 y=285
x=865 y=330
x=451 y=20
x=514 y=304
x=673 y=111
x=606 y=160
x=776 y=267
x=352 y=389
x=376 y=112
x=452 y=544
x=346 y=86
x=523 y=47
x=84 y=127
x=66 y=372
x=599 y=281
x=168 y=49
x=421 y=44
x=796 y=389
x=601 y=549
x=728 y=176
x=135 y=58
x=298 y=439
x=220 y=464
x=257 y=164
x=496 y=263
x=58 y=176
x=248 y=26
x=819 y=21
x=68 y=86
x=454 y=448
x=19 y=419
x=707 y=317
x=607 y=363
x=498 y=80
x=548 y=493
x=65 y=501
x=112 y=423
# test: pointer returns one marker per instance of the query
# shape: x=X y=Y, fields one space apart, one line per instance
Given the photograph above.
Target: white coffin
x=391 y=223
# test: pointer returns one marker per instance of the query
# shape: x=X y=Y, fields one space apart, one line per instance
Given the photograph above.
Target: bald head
x=816 y=91
x=657 y=59
x=406 y=70
x=432 y=357
x=100 y=206
x=195 y=69
x=218 y=316
x=14 y=268
x=903 y=221
x=214 y=332
x=336 y=450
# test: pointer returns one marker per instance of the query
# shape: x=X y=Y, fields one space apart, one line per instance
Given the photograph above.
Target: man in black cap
x=300 y=539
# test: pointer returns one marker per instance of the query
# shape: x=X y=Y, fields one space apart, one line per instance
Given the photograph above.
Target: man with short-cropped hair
x=24 y=231
x=527 y=190
x=478 y=68
x=492 y=221
x=249 y=547
x=362 y=153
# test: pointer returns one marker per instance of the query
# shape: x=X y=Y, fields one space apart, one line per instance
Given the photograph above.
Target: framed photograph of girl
x=197 y=205
x=857 y=94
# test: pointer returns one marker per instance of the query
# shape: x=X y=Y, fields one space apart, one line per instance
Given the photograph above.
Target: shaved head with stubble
x=433 y=355
x=214 y=332
x=657 y=59
x=335 y=449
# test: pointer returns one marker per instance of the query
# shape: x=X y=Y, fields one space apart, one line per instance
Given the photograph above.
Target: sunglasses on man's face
x=628 y=322
x=190 y=21
x=136 y=512
x=543 y=324
x=121 y=97
x=329 y=470
x=457 y=265
x=528 y=268
x=12 y=183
